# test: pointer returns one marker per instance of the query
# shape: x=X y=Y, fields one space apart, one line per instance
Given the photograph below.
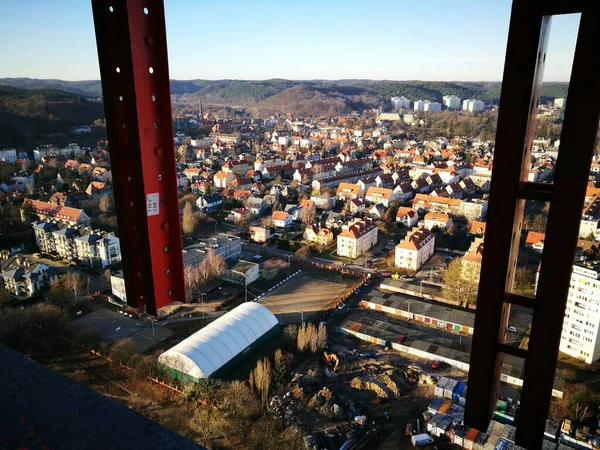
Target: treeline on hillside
x=242 y=92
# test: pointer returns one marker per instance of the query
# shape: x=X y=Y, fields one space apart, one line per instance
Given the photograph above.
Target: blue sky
x=331 y=39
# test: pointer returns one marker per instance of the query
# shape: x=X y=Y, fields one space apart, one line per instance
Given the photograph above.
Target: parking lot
x=114 y=326
x=304 y=296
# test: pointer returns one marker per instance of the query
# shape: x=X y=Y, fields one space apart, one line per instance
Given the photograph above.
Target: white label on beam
x=152 y=205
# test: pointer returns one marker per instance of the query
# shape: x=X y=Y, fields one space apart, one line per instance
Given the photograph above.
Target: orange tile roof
x=437 y=216
x=279 y=215
x=475 y=253
x=307 y=203
x=415 y=240
x=348 y=188
x=424 y=198
x=358 y=229
x=534 y=237
x=402 y=211
x=58 y=212
x=376 y=192
x=478 y=226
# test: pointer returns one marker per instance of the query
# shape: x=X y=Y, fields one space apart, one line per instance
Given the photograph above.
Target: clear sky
x=261 y=39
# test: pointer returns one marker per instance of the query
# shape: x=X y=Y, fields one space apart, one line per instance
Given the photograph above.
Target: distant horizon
x=284 y=79
x=310 y=40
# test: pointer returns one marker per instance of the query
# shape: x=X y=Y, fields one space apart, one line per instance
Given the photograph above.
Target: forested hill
x=251 y=92
x=27 y=114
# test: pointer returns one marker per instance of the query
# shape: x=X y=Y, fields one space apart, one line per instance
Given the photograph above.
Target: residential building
x=25 y=277
x=471 y=262
x=478 y=228
x=560 y=102
x=100 y=174
x=71 y=216
x=359 y=237
x=419 y=105
x=404 y=192
x=451 y=102
x=223 y=179
x=240 y=272
x=437 y=219
x=428 y=203
x=209 y=203
x=400 y=102
x=581 y=323
x=380 y=196
x=227 y=246
x=260 y=234
x=348 y=191
x=415 y=249
x=473 y=105
x=8 y=155
x=281 y=219
x=432 y=106
x=407 y=216
x=97 y=189
x=535 y=241
x=320 y=236
x=323 y=201
x=255 y=205
x=93 y=248
x=474 y=209
x=117 y=285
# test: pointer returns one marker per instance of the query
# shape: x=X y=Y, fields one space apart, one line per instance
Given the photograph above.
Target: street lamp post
x=202 y=294
x=289 y=257
x=153 y=335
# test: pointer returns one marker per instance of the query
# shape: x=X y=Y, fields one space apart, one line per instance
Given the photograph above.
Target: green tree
x=460 y=282
x=280 y=368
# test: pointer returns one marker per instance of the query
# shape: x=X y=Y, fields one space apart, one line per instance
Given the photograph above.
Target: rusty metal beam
x=132 y=52
x=577 y=143
x=519 y=99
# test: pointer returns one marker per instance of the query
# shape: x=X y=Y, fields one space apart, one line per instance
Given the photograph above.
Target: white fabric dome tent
x=218 y=345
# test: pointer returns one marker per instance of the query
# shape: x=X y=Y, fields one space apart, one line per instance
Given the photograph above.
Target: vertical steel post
x=132 y=52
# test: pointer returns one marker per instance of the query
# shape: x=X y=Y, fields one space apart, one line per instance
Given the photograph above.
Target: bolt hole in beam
x=120 y=98
x=151 y=69
x=111 y=9
x=118 y=69
x=146 y=11
x=155 y=125
x=153 y=98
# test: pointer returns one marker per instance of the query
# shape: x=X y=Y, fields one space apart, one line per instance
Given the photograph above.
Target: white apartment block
x=415 y=249
x=560 y=102
x=473 y=105
x=400 y=102
x=451 y=102
x=117 y=285
x=360 y=236
x=432 y=106
x=419 y=105
x=25 y=277
x=581 y=323
x=8 y=155
x=93 y=248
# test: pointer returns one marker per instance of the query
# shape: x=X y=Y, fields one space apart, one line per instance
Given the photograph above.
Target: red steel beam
x=132 y=51
x=577 y=143
x=519 y=99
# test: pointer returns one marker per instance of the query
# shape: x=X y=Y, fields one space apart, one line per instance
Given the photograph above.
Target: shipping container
x=462 y=400
x=470 y=438
x=460 y=387
x=434 y=406
x=450 y=388
x=440 y=386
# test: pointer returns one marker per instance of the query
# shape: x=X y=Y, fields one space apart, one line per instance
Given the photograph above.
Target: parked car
x=367 y=283
x=357 y=291
x=513 y=329
x=341 y=306
x=435 y=365
x=415 y=368
x=385 y=274
x=377 y=254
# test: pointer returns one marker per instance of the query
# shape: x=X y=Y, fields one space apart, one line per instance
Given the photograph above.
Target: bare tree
x=74 y=283
x=460 y=283
x=262 y=379
x=122 y=350
x=189 y=221
x=307 y=216
x=193 y=281
x=104 y=204
x=216 y=263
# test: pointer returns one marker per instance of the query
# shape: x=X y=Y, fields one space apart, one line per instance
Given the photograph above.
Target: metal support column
x=519 y=101
x=132 y=51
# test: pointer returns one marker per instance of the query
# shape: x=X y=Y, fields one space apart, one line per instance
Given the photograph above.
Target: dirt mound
x=383 y=386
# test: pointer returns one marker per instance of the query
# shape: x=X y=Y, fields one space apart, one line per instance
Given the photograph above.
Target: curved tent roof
x=210 y=348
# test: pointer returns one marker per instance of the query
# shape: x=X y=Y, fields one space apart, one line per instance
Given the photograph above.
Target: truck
x=421 y=440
